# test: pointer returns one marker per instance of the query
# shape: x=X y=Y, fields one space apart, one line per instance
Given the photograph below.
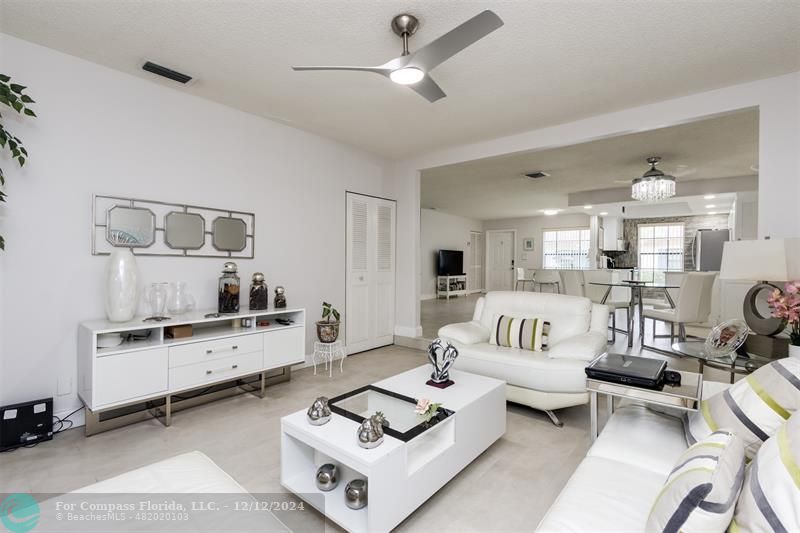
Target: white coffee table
x=401 y=476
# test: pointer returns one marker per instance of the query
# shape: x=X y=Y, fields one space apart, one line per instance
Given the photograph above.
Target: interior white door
x=476 y=256
x=499 y=260
x=369 y=306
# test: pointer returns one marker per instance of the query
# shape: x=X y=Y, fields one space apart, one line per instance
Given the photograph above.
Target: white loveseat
x=616 y=484
x=547 y=380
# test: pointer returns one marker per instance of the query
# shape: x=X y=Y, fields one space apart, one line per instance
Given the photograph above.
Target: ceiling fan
x=412 y=68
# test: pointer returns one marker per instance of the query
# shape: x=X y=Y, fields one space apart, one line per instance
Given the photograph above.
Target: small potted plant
x=328 y=327
x=786 y=305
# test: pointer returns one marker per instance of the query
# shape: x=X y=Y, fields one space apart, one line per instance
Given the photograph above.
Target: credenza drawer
x=129 y=375
x=200 y=352
x=183 y=377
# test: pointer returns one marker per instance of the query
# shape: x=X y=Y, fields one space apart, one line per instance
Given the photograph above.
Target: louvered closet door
x=369 y=318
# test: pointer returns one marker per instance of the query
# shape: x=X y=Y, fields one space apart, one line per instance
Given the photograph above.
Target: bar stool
x=522 y=279
x=551 y=278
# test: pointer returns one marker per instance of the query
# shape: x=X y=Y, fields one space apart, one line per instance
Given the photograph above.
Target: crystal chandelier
x=654 y=185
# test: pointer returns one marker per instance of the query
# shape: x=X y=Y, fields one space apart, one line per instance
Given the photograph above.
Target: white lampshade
x=763 y=260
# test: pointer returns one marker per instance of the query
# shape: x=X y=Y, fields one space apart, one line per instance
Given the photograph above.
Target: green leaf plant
x=12 y=95
x=329 y=312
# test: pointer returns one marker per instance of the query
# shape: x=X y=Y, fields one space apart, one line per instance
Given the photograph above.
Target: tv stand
x=448 y=286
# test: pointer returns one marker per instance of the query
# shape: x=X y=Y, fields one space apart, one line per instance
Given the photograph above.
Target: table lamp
x=766 y=262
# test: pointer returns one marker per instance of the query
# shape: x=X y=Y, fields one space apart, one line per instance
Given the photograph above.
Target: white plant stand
x=326 y=352
x=400 y=476
x=448 y=286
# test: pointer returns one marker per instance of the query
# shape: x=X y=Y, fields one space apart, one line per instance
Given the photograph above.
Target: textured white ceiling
x=552 y=62
x=493 y=188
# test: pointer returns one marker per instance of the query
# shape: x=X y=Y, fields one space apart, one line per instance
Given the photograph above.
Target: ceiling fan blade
x=428 y=89
x=452 y=42
x=376 y=70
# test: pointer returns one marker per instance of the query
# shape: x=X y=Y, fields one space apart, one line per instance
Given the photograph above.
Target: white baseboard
x=405 y=331
x=427 y=297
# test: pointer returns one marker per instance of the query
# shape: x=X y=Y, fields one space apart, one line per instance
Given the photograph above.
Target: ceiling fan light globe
x=407 y=76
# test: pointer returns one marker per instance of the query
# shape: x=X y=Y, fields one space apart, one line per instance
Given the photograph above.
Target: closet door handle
x=234 y=347
x=209 y=352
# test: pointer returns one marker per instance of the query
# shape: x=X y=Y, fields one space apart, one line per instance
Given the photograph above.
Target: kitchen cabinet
x=613 y=233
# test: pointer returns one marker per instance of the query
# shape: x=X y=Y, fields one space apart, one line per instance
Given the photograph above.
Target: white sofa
x=615 y=486
x=547 y=380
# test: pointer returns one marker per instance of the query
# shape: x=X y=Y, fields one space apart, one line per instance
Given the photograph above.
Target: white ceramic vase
x=794 y=351
x=122 y=285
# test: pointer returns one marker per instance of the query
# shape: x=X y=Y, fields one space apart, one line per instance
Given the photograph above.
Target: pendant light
x=654 y=185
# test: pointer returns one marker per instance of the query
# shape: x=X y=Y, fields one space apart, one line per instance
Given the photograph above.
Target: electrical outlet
x=64 y=386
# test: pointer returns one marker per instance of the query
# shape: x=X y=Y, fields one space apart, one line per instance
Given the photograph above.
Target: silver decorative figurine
x=320 y=412
x=370 y=432
x=327 y=477
x=442 y=358
x=355 y=494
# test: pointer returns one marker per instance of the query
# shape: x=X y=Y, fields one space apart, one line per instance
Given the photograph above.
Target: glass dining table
x=636 y=288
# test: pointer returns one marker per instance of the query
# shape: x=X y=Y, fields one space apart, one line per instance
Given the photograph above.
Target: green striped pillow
x=753 y=408
x=770 y=499
x=701 y=491
x=525 y=333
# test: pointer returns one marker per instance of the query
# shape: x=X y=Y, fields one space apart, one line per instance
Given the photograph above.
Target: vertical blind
x=565 y=249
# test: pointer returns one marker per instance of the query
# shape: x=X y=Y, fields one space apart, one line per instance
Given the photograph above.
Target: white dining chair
x=522 y=279
x=572 y=281
x=693 y=305
x=551 y=278
x=671 y=279
x=619 y=298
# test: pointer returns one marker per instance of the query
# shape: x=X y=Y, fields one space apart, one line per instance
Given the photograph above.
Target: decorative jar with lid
x=259 y=296
x=280 y=297
x=229 y=285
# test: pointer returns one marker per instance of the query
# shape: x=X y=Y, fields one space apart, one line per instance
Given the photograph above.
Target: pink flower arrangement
x=786 y=305
x=426 y=409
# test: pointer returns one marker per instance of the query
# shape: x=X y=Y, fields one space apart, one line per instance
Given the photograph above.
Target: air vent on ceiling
x=536 y=175
x=166 y=72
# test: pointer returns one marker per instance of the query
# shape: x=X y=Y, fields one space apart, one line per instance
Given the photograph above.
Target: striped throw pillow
x=701 y=491
x=754 y=408
x=770 y=499
x=525 y=333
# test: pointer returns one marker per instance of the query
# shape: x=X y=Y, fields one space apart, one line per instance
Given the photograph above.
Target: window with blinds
x=565 y=249
x=660 y=249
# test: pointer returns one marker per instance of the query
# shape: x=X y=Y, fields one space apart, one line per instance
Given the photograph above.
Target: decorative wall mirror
x=133 y=227
x=185 y=231
x=153 y=227
x=229 y=234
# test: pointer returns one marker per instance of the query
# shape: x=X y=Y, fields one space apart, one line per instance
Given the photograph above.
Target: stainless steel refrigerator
x=707 y=248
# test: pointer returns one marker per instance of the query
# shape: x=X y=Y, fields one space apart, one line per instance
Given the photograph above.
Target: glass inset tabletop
x=398 y=411
x=742 y=364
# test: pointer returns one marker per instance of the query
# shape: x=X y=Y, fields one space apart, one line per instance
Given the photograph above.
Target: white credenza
x=149 y=368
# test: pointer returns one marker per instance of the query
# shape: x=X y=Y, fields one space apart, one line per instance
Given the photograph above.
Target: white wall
x=778 y=100
x=533 y=227
x=442 y=231
x=101 y=131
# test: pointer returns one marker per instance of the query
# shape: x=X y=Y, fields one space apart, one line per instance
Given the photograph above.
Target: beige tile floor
x=508 y=488
x=435 y=313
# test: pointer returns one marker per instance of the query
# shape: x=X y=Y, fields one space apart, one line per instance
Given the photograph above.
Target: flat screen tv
x=451 y=263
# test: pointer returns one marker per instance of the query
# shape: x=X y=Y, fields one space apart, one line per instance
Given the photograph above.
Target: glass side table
x=741 y=365
x=685 y=397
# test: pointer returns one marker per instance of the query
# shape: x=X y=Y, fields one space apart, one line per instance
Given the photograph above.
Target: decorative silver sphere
x=327 y=477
